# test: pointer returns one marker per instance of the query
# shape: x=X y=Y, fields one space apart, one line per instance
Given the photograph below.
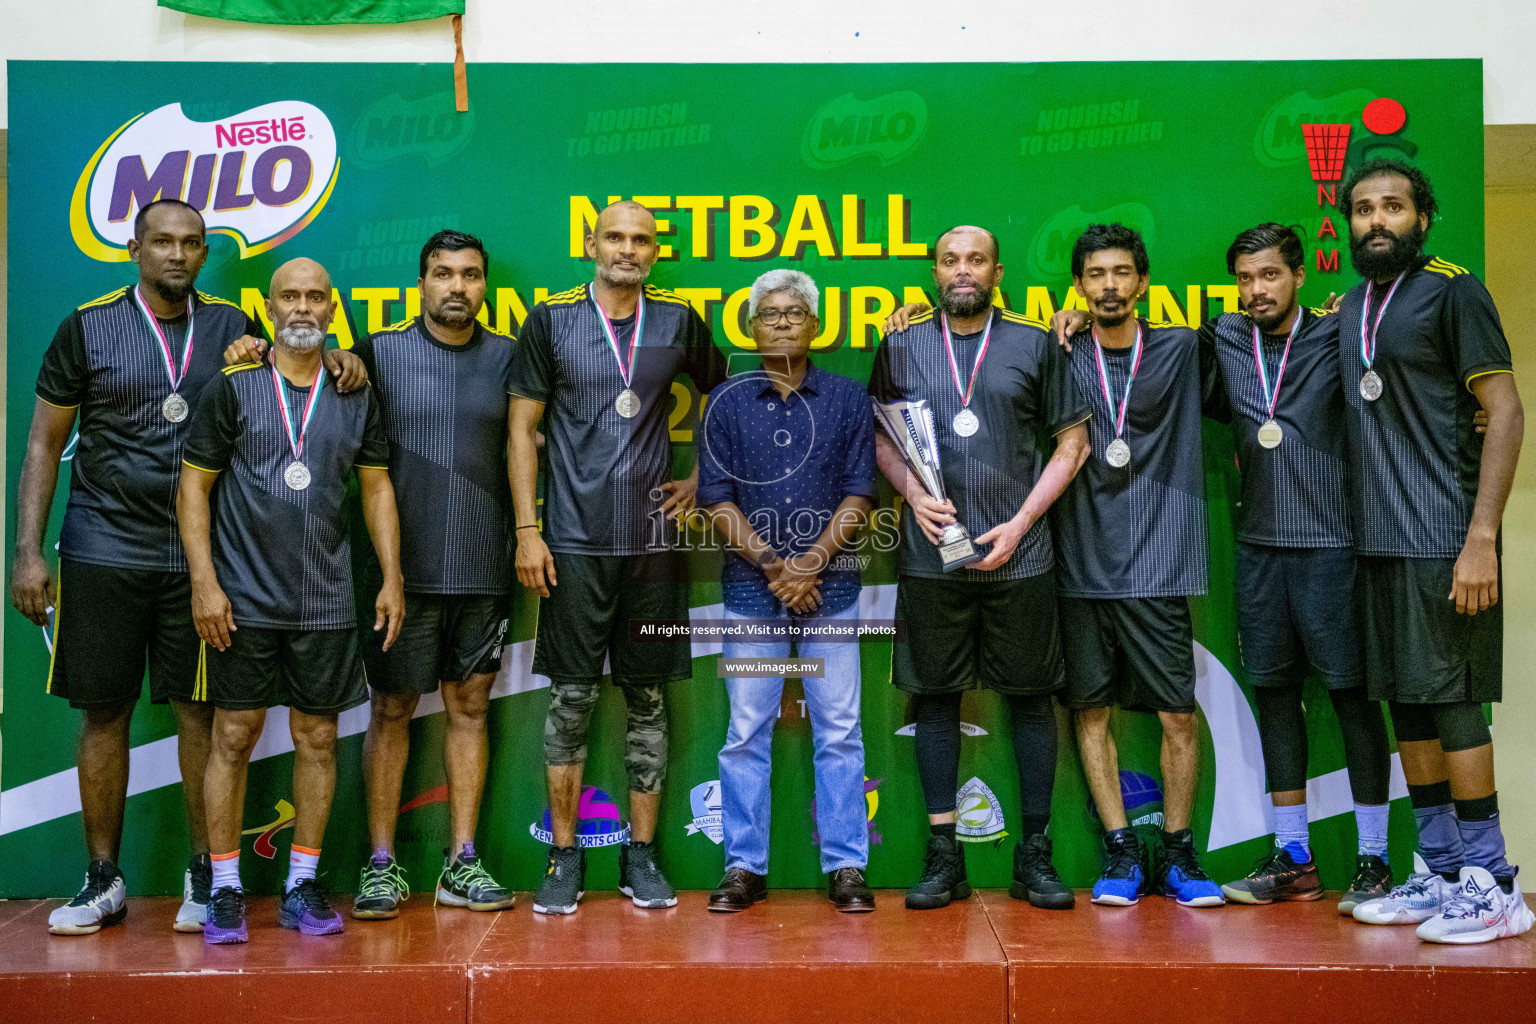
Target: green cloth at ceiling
x=318 y=12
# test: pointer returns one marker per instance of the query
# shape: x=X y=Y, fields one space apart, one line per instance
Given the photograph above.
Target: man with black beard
x=1421 y=348
x=1011 y=436
x=132 y=364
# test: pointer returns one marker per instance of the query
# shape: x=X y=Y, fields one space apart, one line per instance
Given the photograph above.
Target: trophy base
x=956 y=550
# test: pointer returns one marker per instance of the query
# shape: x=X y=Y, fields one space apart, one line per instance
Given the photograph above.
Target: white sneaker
x=194 y=895
x=1478 y=911
x=1421 y=896
x=103 y=900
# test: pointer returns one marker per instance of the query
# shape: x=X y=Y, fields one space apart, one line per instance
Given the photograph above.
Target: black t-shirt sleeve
x=534 y=370
x=253 y=327
x=882 y=384
x=363 y=349
x=215 y=427
x=374 y=453
x=1213 y=389
x=1062 y=404
x=705 y=362
x=66 y=373
x=1471 y=321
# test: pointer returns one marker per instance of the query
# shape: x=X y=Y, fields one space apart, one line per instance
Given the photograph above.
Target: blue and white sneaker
x=1184 y=879
x=101 y=901
x=1479 y=910
x=1422 y=896
x=1123 y=880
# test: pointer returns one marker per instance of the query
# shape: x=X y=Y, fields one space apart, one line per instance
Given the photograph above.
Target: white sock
x=1291 y=832
x=302 y=863
x=226 y=871
x=1371 y=825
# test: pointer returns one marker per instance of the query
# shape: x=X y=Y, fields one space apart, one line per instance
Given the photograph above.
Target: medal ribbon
x=1368 y=338
x=626 y=368
x=165 y=345
x=954 y=368
x=1271 y=397
x=296 y=441
x=1098 y=352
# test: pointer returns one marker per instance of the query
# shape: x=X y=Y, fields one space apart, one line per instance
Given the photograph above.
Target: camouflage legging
x=570 y=715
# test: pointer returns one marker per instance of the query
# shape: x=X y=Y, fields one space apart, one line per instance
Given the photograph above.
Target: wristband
x=530 y=526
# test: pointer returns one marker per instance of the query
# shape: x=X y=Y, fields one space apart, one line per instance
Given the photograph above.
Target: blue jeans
x=745 y=760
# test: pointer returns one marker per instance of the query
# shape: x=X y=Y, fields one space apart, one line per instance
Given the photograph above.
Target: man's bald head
x=300 y=305
x=622 y=244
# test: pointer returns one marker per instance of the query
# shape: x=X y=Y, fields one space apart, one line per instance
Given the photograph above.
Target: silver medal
x=296 y=476
x=966 y=423
x=1370 y=386
x=627 y=404
x=1118 y=454
x=1270 y=434
x=174 y=408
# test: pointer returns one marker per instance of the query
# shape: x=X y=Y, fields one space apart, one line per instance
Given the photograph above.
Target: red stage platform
x=792 y=958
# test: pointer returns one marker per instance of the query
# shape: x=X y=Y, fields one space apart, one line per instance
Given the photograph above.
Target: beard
x=621 y=277
x=1403 y=253
x=964 y=305
x=302 y=340
x=1271 y=324
x=455 y=317
x=173 y=292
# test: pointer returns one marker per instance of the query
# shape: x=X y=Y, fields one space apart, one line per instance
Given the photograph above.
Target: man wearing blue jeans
x=787 y=473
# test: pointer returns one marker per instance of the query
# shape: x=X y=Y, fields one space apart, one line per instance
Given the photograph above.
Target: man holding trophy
x=969 y=397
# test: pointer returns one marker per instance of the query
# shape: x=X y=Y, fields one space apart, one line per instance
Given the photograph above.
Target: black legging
x=1034 y=751
x=1458 y=726
x=1283 y=734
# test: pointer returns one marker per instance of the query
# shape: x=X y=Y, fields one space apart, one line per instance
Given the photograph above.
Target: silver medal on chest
x=966 y=423
x=1370 y=386
x=1118 y=454
x=1270 y=434
x=296 y=476
x=627 y=404
x=174 y=408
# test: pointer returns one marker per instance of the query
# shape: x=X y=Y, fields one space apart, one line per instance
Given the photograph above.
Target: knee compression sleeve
x=645 y=751
x=1283 y=736
x=1461 y=726
x=1365 y=744
x=565 y=727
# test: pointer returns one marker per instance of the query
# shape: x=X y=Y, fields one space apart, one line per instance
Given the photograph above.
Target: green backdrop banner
x=846 y=172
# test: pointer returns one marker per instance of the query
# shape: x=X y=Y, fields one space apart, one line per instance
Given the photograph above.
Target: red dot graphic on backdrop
x=1384 y=116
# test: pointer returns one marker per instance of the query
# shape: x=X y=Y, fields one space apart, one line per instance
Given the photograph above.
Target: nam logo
x=704 y=800
x=395 y=128
x=265 y=833
x=597 y=822
x=847 y=127
x=978 y=814
x=1050 y=253
x=259 y=177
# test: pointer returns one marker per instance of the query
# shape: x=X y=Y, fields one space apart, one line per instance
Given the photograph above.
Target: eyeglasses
x=795 y=317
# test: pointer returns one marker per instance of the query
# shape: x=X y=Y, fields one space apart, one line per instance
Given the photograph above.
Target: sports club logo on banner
x=260 y=176
x=978 y=814
x=704 y=800
x=598 y=822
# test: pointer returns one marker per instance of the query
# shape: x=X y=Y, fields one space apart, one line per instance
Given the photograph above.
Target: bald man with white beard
x=272 y=580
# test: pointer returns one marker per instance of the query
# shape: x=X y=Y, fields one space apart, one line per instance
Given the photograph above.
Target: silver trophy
x=910 y=425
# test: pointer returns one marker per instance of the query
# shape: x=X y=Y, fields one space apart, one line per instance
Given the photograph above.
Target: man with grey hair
x=272 y=581
x=787 y=473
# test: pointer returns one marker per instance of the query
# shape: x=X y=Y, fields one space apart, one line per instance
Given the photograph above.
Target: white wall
x=722 y=31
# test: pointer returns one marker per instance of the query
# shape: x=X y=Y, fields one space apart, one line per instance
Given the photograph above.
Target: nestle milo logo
x=1278 y=140
x=1050 y=253
x=395 y=127
x=847 y=127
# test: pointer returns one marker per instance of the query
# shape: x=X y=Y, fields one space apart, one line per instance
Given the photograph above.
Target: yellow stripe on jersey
x=1447 y=265
x=1020 y=318
x=53 y=646
x=662 y=295
x=918 y=318
x=1483 y=374
x=399 y=325
x=1158 y=325
x=567 y=297
x=214 y=300
x=200 y=682
x=103 y=300
x=203 y=469
x=1442 y=271
x=1318 y=311
x=241 y=366
x=66 y=408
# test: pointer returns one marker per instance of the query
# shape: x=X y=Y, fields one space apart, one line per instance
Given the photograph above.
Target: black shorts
x=1001 y=635
x=318 y=672
x=1418 y=650
x=109 y=622
x=1136 y=653
x=1295 y=606
x=588 y=613
x=445 y=638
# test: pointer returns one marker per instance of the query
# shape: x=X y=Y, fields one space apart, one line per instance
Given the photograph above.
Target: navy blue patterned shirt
x=787 y=466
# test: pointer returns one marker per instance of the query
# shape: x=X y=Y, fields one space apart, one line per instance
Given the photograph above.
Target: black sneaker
x=380 y=890
x=1183 y=878
x=306 y=909
x=564 y=881
x=1277 y=877
x=465 y=883
x=1373 y=879
x=226 y=917
x=1035 y=878
x=641 y=880
x=1124 y=878
x=943 y=878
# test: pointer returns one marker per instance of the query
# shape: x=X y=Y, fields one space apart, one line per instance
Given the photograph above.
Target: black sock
x=1436 y=794
x=947 y=830
x=1031 y=825
x=1478 y=809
